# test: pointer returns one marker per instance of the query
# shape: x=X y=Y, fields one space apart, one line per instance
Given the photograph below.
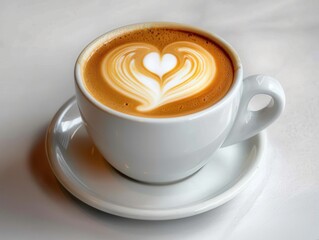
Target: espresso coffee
x=158 y=72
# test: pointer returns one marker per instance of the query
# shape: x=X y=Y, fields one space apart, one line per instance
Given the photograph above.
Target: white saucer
x=83 y=172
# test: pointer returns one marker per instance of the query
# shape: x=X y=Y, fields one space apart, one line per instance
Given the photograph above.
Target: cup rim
x=89 y=49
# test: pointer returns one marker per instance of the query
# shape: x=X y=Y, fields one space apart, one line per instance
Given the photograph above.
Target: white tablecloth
x=39 y=43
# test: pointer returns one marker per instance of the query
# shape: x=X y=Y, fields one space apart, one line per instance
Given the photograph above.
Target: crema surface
x=158 y=72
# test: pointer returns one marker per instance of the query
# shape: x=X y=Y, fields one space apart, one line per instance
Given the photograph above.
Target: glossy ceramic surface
x=83 y=172
x=163 y=150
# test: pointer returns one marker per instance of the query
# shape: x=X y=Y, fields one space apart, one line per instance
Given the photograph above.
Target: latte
x=158 y=72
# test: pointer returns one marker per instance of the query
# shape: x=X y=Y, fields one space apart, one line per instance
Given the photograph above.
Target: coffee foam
x=158 y=66
x=154 y=78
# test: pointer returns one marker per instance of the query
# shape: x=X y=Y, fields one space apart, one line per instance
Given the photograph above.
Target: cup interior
x=95 y=44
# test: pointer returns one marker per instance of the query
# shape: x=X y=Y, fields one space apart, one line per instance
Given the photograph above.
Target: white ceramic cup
x=162 y=150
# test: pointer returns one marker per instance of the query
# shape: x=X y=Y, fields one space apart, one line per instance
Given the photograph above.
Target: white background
x=39 y=43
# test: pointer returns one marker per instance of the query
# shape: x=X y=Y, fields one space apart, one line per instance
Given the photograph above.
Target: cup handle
x=249 y=123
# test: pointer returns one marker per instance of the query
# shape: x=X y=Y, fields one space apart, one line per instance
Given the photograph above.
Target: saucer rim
x=81 y=192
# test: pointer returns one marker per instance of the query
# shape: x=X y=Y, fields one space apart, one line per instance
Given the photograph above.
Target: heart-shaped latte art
x=159 y=65
x=154 y=78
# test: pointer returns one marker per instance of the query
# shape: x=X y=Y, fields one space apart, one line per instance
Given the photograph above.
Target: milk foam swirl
x=154 y=78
